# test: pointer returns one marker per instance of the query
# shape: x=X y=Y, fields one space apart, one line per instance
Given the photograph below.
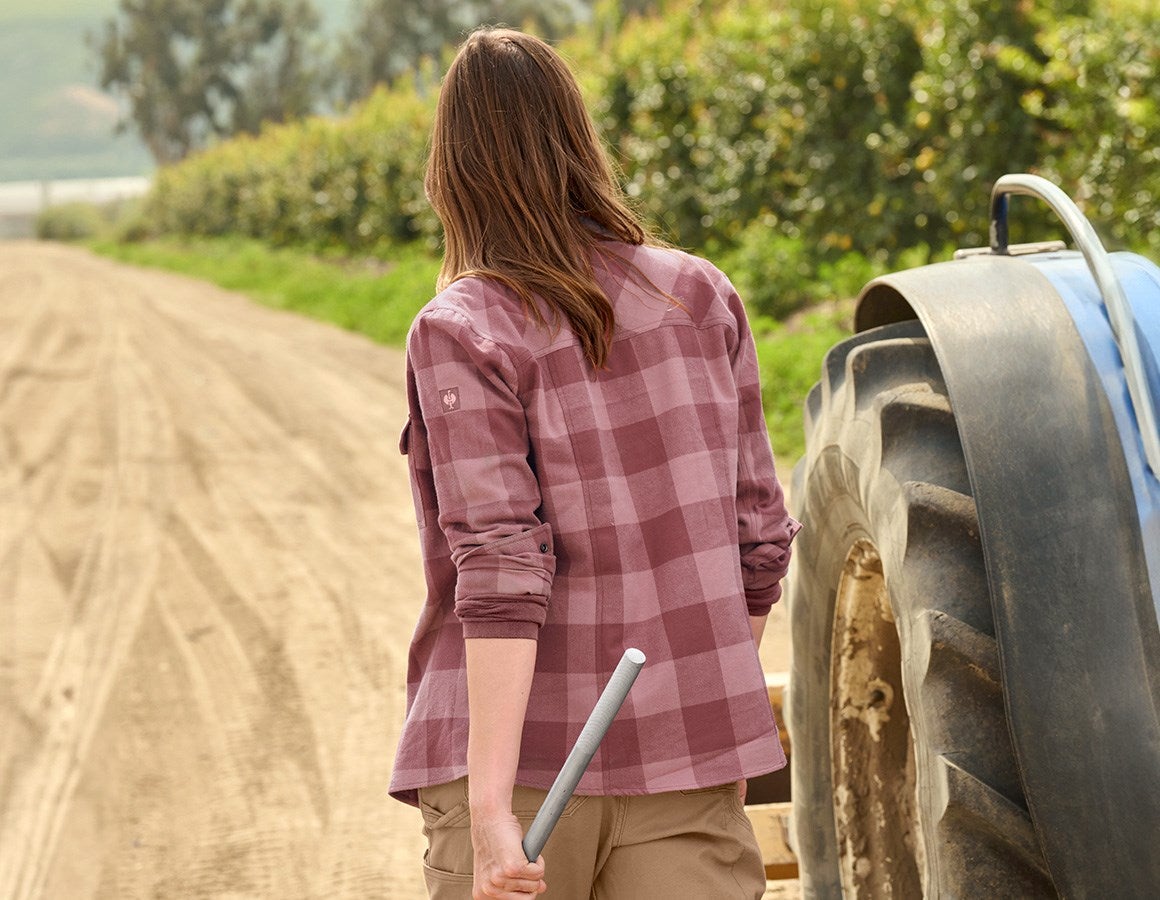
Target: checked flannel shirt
x=632 y=507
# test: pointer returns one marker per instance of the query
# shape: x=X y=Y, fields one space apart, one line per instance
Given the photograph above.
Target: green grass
x=379 y=300
x=790 y=357
x=369 y=296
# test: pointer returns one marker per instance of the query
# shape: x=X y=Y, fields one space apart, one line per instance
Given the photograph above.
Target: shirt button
x=543 y=548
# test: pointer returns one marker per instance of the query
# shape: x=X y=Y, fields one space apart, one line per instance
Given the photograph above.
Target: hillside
x=54 y=122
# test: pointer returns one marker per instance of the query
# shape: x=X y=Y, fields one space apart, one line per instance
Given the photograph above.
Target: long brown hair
x=516 y=167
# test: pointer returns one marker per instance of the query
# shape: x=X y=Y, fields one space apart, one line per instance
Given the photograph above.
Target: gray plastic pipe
x=577 y=762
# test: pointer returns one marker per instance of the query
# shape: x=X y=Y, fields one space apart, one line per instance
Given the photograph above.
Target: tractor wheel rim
x=880 y=845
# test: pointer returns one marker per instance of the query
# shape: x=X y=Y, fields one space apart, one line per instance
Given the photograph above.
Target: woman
x=591 y=471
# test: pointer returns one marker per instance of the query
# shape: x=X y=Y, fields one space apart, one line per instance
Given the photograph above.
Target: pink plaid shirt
x=594 y=511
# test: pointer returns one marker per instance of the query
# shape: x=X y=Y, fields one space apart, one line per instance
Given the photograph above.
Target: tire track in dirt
x=208 y=579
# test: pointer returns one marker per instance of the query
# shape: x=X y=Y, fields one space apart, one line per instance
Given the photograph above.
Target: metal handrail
x=1115 y=301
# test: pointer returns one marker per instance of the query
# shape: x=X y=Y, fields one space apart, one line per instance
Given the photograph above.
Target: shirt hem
x=408 y=790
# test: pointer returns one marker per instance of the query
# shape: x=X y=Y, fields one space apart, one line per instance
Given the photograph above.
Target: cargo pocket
x=447 y=825
x=442 y=885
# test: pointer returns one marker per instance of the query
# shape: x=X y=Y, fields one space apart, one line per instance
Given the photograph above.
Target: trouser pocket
x=447 y=825
x=443 y=885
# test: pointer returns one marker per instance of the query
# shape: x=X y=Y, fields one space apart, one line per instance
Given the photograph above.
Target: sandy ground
x=208 y=579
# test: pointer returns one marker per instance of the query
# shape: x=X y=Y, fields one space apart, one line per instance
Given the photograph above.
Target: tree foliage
x=1094 y=92
x=193 y=70
x=391 y=37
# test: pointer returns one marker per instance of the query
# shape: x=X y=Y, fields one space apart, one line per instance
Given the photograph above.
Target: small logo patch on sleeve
x=449 y=398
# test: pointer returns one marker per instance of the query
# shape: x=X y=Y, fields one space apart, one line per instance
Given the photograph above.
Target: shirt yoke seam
x=517 y=357
x=714 y=322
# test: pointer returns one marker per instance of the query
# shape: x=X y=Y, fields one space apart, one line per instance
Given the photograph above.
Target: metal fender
x=1074 y=616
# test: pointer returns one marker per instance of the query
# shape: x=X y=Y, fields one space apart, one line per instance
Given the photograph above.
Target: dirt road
x=208 y=579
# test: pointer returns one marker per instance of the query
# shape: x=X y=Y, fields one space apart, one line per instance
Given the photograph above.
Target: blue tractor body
x=1068 y=272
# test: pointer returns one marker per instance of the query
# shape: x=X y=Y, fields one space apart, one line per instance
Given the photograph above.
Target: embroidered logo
x=449 y=398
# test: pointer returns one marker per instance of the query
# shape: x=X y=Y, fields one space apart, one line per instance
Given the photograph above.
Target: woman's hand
x=502 y=872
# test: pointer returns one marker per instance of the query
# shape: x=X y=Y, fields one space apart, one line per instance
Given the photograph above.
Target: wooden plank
x=771 y=825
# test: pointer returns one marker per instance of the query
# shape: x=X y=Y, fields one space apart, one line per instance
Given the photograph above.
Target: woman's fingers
x=517 y=883
x=502 y=870
x=525 y=869
x=527 y=880
x=514 y=890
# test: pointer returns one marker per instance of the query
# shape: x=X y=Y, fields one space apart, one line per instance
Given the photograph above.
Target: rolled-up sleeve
x=487 y=493
x=765 y=528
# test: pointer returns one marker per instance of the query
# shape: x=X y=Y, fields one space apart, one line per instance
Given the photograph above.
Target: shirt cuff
x=521 y=563
x=491 y=629
x=508 y=609
x=761 y=602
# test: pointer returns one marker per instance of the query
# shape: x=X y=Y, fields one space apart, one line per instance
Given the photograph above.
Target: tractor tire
x=904 y=779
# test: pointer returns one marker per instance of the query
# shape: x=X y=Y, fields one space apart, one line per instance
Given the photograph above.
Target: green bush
x=757 y=112
x=778 y=275
x=832 y=122
x=773 y=273
x=70 y=222
x=129 y=221
x=354 y=182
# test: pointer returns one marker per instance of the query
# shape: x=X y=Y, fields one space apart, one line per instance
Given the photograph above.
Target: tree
x=391 y=37
x=197 y=69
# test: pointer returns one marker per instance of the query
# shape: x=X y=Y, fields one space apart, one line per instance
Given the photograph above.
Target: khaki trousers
x=694 y=844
